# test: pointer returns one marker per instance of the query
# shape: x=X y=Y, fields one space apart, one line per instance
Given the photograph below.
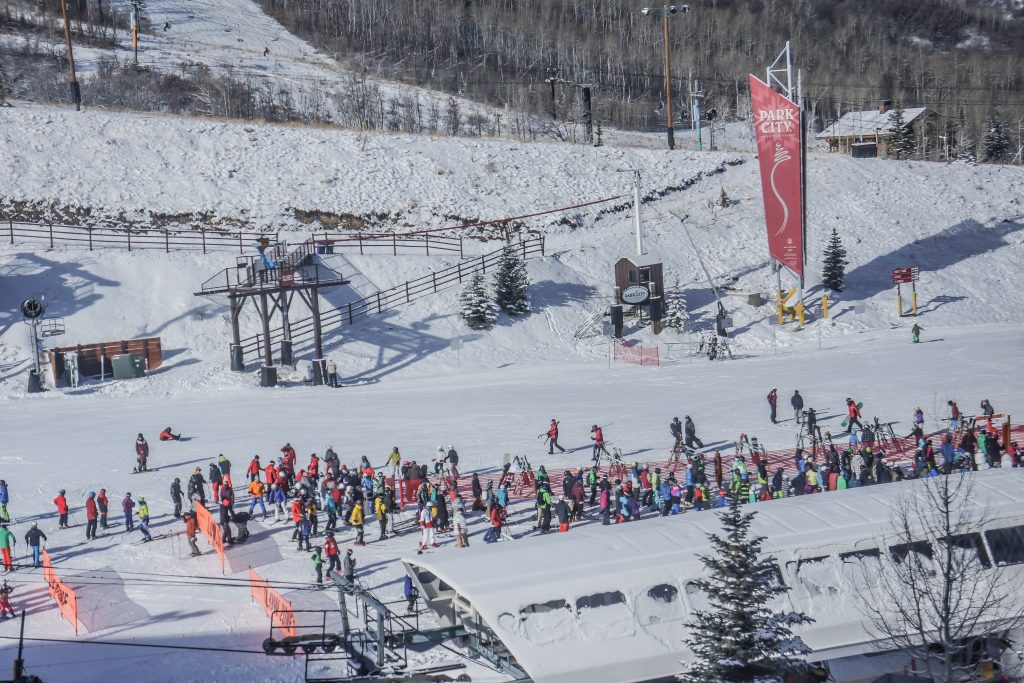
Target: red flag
x=777 y=126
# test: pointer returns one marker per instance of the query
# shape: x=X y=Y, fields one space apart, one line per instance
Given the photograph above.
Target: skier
x=255 y=468
x=798 y=404
x=954 y=414
x=168 y=435
x=394 y=460
x=381 y=512
x=986 y=408
x=410 y=593
x=331 y=550
x=676 y=428
x=33 y=537
x=691 y=434
x=426 y=529
x=143 y=511
x=215 y=480
x=853 y=413
x=553 y=438
x=562 y=511
x=90 y=516
x=350 y=566
x=103 y=503
x=7 y=544
x=597 y=436
x=773 y=402
x=196 y=487
x=190 y=532
x=176 y=496
x=915 y=333
x=141 y=453
x=256 y=490
x=62 y=509
x=461 y=531
x=5 y=600
x=127 y=504
x=318 y=565
x=4 y=499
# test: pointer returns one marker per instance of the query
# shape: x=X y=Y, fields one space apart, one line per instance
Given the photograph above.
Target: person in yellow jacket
x=257 y=489
x=356 y=519
x=381 y=511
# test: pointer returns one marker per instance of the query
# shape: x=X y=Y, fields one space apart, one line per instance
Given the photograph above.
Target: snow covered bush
x=511 y=282
x=477 y=309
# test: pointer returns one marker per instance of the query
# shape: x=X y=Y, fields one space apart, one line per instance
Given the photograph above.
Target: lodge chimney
x=885 y=106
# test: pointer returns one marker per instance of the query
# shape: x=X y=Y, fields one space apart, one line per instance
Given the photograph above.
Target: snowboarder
x=954 y=414
x=318 y=565
x=597 y=436
x=34 y=537
x=5 y=600
x=773 y=402
x=176 y=497
x=4 y=499
x=332 y=373
x=691 y=433
x=90 y=516
x=331 y=550
x=190 y=532
x=410 y=593
x=915 y=333
x=103 y=503
x=7 y=544
x=62 y=509
x=394 y=460
x=986 y=408
x=350 y=566
x=196 y=487
x=241 y=521
x=853 y=412
x=381 y=511
x=168 y=435
x=798 y=404
x=676 y=428
x=141 y=453
x=553 y=438
x=127 y=505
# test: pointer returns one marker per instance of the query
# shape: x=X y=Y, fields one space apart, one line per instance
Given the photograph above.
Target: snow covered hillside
x=407 y=384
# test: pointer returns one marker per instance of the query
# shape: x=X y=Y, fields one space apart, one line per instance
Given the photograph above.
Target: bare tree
x=939 y=597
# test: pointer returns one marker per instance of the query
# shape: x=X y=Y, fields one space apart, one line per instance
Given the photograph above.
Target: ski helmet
x=60 y=491
x=92 y=494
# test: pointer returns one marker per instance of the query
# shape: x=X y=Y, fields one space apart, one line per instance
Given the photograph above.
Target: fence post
x=461 y=255
x=483 y=264
x=129 y=238
x=167 y=241
x=394 y=243
x=433 y=280
x=380 y=309
x=522 y=243
x=428 y=244
x=10 y=224
x=202 y=231
x=459 y=266
x=542 y=245
x=360 y=236
x=90 y=237
x=349 y=312
x=51 y=235
x=240 y=249
x=407 y=299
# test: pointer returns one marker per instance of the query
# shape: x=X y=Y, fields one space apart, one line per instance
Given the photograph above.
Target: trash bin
x=286 y=352
x=35 y=382
x=268 y=376
x=237 y=359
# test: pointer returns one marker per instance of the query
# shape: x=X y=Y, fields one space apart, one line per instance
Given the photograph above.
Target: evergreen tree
x=995 y=142
x=901 y=138
x=739 y=639
x=675 y=308
x=511 y=282
x=724 y=200
x=834 y=271
x=477 y=309
x=964 y=138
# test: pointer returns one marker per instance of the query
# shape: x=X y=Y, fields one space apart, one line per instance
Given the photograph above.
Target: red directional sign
x=903 y=276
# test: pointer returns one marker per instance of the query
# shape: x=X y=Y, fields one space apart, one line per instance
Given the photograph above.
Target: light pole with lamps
x=668 y=11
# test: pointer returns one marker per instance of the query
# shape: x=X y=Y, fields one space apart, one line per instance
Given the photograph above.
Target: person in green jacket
x=318 y=565
x=544 y=502
x=7 y=543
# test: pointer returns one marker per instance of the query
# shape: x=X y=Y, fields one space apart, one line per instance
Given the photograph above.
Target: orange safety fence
x=64 y=596
x=210 y=529
x=635 y=354
x=277 y=608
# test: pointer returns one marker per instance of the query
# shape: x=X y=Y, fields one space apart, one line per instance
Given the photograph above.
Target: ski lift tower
x=32 y=311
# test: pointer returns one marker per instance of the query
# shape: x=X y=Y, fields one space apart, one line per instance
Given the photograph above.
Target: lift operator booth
x=639 y=285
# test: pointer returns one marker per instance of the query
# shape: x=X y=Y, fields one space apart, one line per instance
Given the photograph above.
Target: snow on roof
x=645 y=260
x=509 y=583
x=857 y=123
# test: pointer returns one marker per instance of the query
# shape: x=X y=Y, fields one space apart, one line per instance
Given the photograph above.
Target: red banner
x=635 y=354
x=277 y=608
x=777 y=126
x=210 y=529
x=65 y=597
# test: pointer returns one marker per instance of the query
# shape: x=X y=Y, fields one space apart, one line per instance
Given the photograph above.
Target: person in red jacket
x=332 y=553
x=773 y=402
x=62 y=509
x=141 y=453
x=90 y=516
x=103 y=503
x=313 y=471
x=553 y=438
x=296 y=517
x=854 y=415
x=168 y=435
x=254 y=469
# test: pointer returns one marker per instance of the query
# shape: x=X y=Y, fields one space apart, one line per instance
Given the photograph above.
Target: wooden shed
x=644 y=271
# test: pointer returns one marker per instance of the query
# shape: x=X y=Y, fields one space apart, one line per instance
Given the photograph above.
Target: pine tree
x=724 y=200
x=511 y=282
x=964 y=138
x=675 y=308
x=834 y=271
x=901 y=138
x=739 y=639
x=995 y=142
x=477 y=309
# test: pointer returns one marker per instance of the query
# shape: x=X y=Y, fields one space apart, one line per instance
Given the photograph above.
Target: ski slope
x=407 y=384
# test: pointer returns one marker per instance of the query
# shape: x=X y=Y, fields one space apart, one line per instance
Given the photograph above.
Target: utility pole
x=552 y=79
x=76 y=92
x=135 y=29
x=669 y=131
x=588 y=117
x=697 y=97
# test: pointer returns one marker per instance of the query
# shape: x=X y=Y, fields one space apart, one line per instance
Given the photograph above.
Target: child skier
x=5 y=600
x=141 y=453
x=318 y=566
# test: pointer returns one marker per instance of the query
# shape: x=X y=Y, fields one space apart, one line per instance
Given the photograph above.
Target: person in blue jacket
x=4 y=499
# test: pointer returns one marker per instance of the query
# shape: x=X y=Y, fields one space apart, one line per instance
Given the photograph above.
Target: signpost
x=635 y=295
x=904 y=276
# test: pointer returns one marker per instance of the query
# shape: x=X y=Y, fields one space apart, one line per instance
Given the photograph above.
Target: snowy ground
x=407 y=385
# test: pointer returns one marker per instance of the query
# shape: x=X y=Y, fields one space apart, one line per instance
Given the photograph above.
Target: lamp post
x=667 y=11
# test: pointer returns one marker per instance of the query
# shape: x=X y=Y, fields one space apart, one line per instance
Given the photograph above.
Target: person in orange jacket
x=296 y=517
x=62 y=509
x=257 y=490
x=168 y=435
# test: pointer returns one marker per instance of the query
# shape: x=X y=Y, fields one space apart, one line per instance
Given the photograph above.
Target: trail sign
x=903 y=276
